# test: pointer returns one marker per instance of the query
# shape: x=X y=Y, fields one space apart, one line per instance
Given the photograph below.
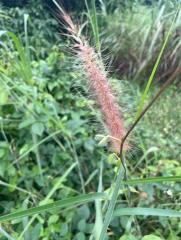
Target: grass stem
x=112 y=203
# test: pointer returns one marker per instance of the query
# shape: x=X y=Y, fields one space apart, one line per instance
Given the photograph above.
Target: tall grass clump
x=135 y=35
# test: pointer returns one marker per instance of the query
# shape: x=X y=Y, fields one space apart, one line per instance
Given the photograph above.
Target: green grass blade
x=98 y=206
x=112 y=204
x=65 y=203
x=26 y=17
x=153 y=180
x=38 y=158
x=23 y=63
x=50 y=194
x=141 y=104
x=6 y=235
x=15 y=187
x=27 y=227
x=18 y=45
x=59 y=182
x=38 y=144
x=146 y=212
x=94 y=23
x=95 y=26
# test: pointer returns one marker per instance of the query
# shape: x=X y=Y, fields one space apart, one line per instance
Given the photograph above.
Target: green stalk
x=98 y=206
x=112 y=203
x=38 y=159
x=150 y=80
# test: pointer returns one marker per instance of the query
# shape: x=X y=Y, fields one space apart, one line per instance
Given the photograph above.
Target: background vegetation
x=49 y=126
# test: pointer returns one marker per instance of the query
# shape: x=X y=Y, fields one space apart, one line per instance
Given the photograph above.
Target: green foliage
x=151 y=237
x=38 y=122
x=134 y=36
x=48 y=151
x=40 y=20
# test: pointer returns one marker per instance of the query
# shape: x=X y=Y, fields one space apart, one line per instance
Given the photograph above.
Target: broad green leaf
x=26 y=122
x=37 y=128
x=53 y=219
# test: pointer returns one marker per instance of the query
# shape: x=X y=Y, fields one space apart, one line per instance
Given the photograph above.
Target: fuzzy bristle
x=99 y=85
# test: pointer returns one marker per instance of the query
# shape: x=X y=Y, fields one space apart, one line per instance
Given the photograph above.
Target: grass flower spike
x=99 y=84
x=103 y=94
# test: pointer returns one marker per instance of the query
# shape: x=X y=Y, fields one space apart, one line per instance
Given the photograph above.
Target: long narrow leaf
x=65 y=203
x=141 y=104
x=153 y=180
x=93 y=22
x=23 y=62
x=147 y=212
x=112 y=203
x=95 y=26
x=59 y=182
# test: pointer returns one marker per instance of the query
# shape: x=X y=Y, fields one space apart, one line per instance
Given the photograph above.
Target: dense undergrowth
x=49 y=143
x=135 y=37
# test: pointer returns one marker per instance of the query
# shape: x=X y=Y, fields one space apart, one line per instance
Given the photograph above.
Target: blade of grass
x=27 y=227
x=38 y=144
x=58 y=183
x=95 y=26
x=91 y=176
x=65 y=203
x=158 y=31
x=38 y=159
x=50 y=194
x=110 y=210
x=144 y=157
x=98 y=205
x=23 y=63
x=146 y=212
x=153 y=180
x=75 y=156
x=3 y=232
x=141 y=104
x=26 y=16
x=25 y=220
x=103 y=7
x=94 y=23
x=15 y=187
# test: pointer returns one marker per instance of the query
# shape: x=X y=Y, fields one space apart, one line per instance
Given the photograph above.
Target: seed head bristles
x=103 y=94
x=100 y=87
